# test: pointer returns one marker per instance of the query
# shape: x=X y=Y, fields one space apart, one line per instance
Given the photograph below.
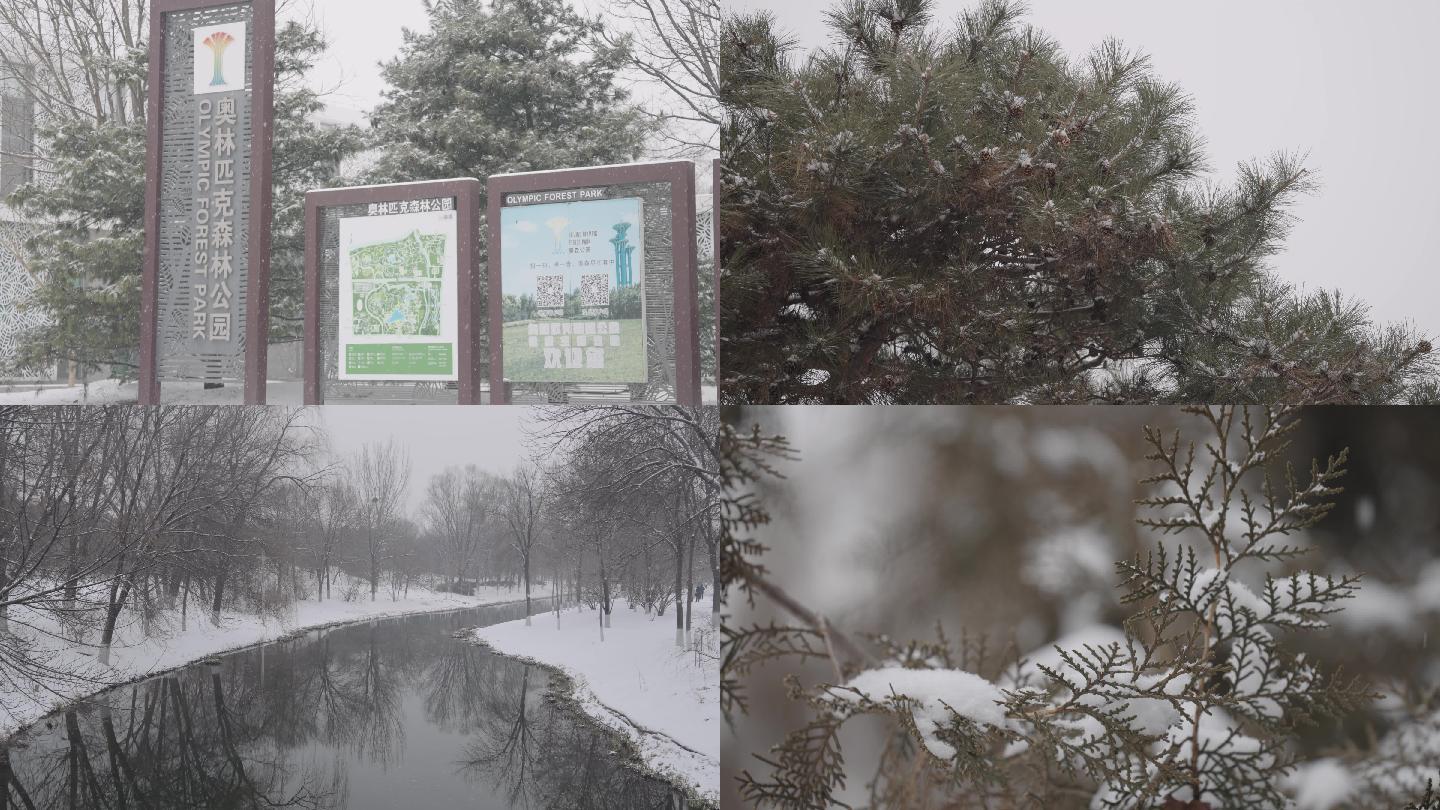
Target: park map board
x=573 y=286
x=398 y=308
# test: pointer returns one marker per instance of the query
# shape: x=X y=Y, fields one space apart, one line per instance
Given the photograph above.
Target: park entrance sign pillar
x=204 y=308
x=593 y=284
x=392 y=293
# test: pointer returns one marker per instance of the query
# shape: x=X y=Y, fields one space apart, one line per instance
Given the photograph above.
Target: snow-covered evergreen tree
x=88 y=252
x=933 y=213
x=508 y=86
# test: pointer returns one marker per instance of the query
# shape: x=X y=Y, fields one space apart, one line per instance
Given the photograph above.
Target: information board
x=609 y=251
x=399 y=293
x=573 y=286
x=393 y=310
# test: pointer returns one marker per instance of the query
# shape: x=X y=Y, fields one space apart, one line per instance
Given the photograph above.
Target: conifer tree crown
x=931 y=213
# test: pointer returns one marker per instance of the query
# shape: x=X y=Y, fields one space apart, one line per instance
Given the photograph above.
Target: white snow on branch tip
x=934 y=697
x=1320 y=785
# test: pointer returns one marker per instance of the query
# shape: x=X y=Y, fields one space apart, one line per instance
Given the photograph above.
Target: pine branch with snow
x=938 y=212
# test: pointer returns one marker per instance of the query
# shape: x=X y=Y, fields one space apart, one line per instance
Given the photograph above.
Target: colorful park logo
x=217 y=43
x=220 y=58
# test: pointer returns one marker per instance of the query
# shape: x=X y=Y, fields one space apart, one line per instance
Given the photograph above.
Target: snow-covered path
x=135 y=656
x=666 y=700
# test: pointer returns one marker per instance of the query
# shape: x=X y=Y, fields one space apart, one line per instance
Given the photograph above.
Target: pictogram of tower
x=624 y=256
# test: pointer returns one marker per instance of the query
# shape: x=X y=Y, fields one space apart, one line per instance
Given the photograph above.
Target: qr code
x=550 y=292
x=595 y=290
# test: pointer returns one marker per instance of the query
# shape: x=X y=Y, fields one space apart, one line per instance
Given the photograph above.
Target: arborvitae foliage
x=1430 y=801
x=927 y=212
x=89 y=250
x=1197 y=708
x=744 y=460
x=1402 y=766
x=504 y=86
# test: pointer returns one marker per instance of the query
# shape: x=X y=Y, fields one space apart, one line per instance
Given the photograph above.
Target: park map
x=396 y=285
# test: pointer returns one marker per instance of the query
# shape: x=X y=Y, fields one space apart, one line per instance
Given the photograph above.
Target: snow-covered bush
x=351 y=591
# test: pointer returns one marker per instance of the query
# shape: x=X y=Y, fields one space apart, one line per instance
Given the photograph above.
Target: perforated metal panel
x=181 y=354
x=19 y=312
x=705 y=228
x=659 y=291
x=705 y=281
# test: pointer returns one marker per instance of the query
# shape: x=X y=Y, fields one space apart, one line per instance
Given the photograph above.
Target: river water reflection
x=394 y=715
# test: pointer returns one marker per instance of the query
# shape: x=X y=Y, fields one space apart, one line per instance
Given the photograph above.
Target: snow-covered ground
x=105 y=392
x=108 y=392
x=169 y=645
x=636 y=681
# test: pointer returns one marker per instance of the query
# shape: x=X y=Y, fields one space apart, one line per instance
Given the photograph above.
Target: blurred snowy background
x=1008 y=522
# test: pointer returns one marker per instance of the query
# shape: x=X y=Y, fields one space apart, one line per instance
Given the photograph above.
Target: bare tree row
x=109 y=509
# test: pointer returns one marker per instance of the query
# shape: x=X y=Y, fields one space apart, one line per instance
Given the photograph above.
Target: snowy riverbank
x=168 y=645
x=666 y=700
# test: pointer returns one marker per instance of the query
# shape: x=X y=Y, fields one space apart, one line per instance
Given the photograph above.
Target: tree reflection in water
x=294 y=724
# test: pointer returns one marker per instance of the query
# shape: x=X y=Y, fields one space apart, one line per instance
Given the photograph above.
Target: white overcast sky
x=492 y=439
x=1351 y=84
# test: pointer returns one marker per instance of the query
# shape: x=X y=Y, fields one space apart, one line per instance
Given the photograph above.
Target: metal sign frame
x=680 y=174
x=715 y=242
x=262 y=118
x=466 y=191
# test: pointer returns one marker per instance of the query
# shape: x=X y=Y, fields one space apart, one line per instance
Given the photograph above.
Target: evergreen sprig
x=1197 y=708
x=1430 y=801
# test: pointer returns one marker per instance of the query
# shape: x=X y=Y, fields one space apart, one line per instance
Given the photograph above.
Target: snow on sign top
x=635 y=165
x=556 y=195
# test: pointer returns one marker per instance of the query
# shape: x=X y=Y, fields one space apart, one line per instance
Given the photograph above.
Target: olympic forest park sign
x=205 y=282
x=589 y=292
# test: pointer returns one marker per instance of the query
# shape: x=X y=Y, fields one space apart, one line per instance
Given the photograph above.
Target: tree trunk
x=689 y=585
x=374 y=576
x=526 y=562
x=72 y=569
x=604 y=592
x=714 y=588
x=649 y=584
x=172 y=586
x=679 y=593
x=118 y=594
x=219 y=599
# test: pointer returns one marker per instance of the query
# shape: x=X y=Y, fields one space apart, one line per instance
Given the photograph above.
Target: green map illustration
x=396 y=287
